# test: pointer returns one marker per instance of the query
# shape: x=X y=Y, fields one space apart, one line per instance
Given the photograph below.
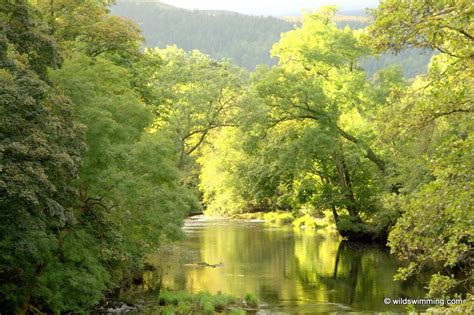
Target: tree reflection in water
x=288 y=270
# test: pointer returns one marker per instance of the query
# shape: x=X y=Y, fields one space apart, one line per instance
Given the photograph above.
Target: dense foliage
x=312 y=133
x=431 y=134
x=104 y=148
x=390 y=158
x=40 y=158
x=87 y=188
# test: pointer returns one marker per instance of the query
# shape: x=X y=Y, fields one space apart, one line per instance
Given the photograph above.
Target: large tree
x=307 y=134
x=320 y=85
x=196 y=95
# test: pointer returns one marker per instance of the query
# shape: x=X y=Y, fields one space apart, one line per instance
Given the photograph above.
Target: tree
x=245 y=39
x=198 y=95
x=443 y=26
x=111 y=35
x=69 y=19
x=87 y=26
x=40 y=149
x=77 y=161
x=318 y=83
x=129 y=173
x=306 y=134
x=431 y=135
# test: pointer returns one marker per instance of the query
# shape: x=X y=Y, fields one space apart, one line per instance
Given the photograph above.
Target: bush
x=222 y=301
x=306 y=222
x=356 y=231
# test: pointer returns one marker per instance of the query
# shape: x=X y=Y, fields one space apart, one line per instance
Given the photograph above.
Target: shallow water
x=291 y=272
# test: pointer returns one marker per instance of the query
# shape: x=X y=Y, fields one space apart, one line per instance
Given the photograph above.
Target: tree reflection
x=286 y=268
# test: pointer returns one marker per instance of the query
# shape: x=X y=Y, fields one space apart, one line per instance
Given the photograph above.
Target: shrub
x=201 y=303
x=251 y=300
x=279 y=218
x=305 y=221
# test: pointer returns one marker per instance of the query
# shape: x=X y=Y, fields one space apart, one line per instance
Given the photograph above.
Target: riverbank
x=303 y=222
x=180 y=302
x=288 y=269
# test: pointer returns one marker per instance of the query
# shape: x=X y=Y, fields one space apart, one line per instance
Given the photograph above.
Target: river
x=291 y=272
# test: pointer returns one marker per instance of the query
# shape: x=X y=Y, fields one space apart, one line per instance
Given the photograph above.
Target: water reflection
x=289 y=271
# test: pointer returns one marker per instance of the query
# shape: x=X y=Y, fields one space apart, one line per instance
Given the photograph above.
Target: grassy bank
x=182 y=302
x=298 y=221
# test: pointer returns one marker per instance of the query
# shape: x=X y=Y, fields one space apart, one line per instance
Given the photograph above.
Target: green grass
x=274 y=217
x=251 y=300
x=310 y=223
x=306 y=222
x=278 y=218
x=247 y=216
x=181 y=302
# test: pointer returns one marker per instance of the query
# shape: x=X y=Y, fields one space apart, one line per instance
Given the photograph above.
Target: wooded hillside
x=244 y=39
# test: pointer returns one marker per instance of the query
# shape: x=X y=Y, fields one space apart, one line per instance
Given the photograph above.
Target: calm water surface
x=291 y=272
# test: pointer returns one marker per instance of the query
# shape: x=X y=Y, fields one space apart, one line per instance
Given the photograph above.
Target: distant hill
x=245 y=39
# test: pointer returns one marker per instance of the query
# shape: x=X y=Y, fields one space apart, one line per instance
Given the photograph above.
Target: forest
x=106 y=147
x=245 y=40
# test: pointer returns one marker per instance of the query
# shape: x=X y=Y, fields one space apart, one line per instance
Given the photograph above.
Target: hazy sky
x=270 y=7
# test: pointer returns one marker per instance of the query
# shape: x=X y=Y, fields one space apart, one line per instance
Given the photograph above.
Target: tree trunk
x=346 y=185
x=26 y=305
x=326 y=181
x=370 y=154
x=334 y=213
x=350 y=191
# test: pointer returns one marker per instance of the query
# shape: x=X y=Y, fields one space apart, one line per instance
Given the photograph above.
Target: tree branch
x=438 y=115
x=370 y=154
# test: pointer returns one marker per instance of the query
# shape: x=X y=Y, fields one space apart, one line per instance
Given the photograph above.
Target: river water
x=291 y=272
